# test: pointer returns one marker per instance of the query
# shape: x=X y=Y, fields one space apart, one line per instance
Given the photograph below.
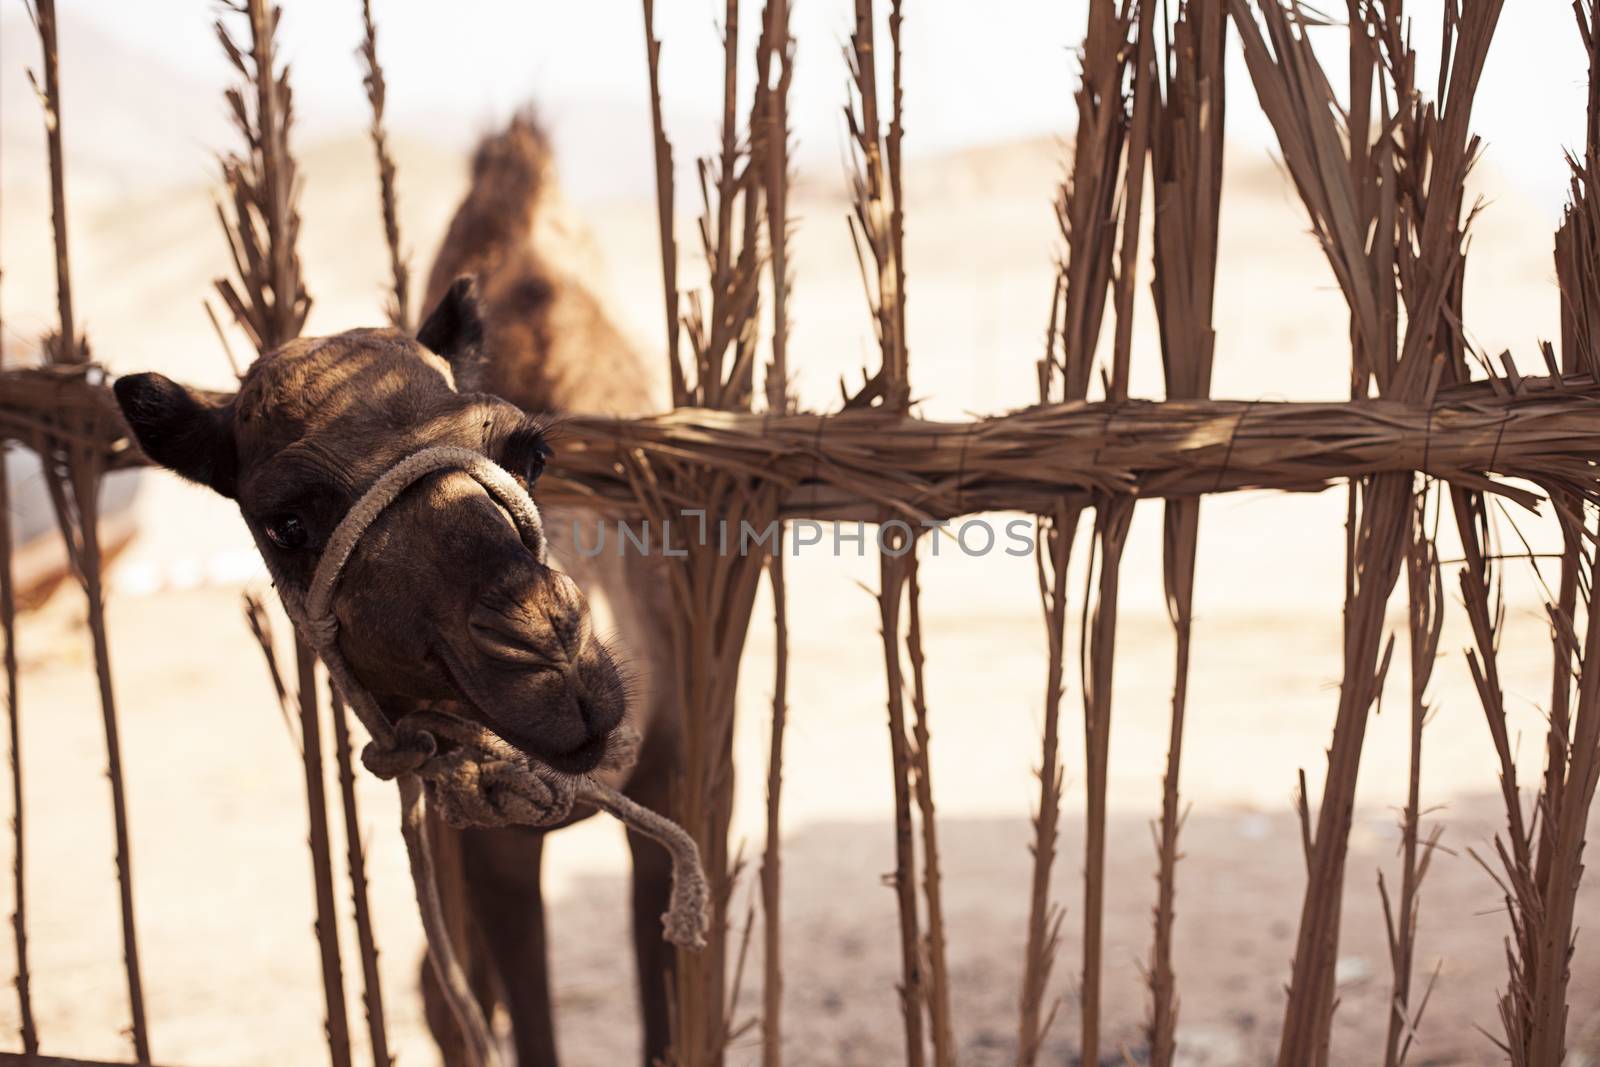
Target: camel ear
x=454 y=330
x=185 y=430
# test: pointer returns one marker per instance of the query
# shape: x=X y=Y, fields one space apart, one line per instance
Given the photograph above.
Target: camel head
x=441 y=600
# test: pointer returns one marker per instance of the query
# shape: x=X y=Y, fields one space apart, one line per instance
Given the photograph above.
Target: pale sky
x=457 y=68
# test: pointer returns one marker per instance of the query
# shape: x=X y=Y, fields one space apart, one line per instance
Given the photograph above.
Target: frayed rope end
x=689 y=915
x=685 y=922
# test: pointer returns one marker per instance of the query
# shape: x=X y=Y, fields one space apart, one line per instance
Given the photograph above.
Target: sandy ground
x=222 y=879
x=225 y=905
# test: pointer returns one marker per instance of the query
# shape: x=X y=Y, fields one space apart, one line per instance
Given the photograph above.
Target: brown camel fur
x=441 y=604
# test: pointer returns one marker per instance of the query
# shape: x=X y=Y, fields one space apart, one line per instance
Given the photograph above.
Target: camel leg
x=638 y=600
x=502 y=879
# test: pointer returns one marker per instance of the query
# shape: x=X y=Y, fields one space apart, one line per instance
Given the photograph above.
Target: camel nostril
x=600 y=716
x=503 y=637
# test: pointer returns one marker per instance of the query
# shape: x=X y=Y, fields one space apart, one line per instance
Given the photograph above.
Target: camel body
x=441 y=604
x=550 y=349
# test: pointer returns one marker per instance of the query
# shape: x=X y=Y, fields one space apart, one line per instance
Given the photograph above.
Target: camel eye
x=286 y=531
x=523 y=453
x=536 y=464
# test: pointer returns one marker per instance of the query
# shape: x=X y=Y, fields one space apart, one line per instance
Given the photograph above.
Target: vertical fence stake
x=327 y=924
x=86 y=483
x=74 y=463
x=777 y=47
x=372 y=986
x=8 y=623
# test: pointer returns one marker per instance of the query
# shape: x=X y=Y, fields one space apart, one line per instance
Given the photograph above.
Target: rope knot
x=475 y=779
x=472 y=793
x=404 y=756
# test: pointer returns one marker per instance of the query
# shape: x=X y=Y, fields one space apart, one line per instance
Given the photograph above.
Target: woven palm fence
x=1431 y=427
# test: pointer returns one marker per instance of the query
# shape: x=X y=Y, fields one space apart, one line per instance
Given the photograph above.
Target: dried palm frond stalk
x=872 y=226
x=269 y=302
x=355 y=857
x=877 y=225
x=1347 y=186
x=1052 y=555
x=1113 y=517
x=937 y=990
x=399 y=311
x=771 y=857
x=1541 y=856
x=291 y=704
x=1425 y=620
x=1087 y=214
x=1186 y=152
x=1425 y=206
x=777 y=47
x=26 y=1027
x=1424 y=591
x=260 y=623
x=665 y=209
x=1350 y=184
x=877 y=219
x=43 y=14
x=713 y=589
x=399 y=307
x=73 y=465
x=267 y=297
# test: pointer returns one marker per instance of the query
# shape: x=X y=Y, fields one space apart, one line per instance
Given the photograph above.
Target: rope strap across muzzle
x=470 y=776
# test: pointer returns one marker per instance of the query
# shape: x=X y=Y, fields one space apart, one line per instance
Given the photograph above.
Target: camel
x=441 y=604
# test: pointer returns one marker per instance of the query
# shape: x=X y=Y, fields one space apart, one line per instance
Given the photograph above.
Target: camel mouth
x=581 y=760
x=577 y=760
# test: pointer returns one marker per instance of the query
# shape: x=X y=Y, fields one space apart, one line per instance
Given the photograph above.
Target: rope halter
x=474 y=779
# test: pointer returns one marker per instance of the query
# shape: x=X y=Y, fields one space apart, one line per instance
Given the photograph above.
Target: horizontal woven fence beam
x=17 y=1059
x=860 y=464
x=864 y=464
